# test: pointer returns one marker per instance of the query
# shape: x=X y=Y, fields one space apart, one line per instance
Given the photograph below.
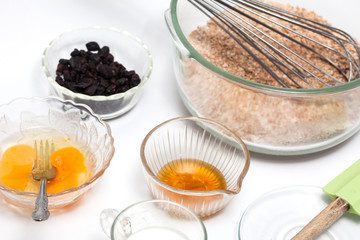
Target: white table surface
x=28 y=26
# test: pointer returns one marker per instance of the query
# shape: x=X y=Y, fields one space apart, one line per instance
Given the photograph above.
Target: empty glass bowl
x=127 y=49
x=195 y=162
x=24 y=120
x=280 y=214
x=154 y=219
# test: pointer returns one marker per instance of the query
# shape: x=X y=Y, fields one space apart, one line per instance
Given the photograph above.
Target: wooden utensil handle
x=323 y=220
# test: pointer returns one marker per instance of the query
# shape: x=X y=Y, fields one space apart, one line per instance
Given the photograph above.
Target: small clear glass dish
x=153 y=219
x=175 y=144
x=127 y=49
x=24 y=120
x=282 y=213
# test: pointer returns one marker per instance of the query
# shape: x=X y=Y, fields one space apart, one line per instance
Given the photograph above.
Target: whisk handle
x=323 y=220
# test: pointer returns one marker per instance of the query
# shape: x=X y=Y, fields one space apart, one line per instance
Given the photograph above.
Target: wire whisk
x=295 y=50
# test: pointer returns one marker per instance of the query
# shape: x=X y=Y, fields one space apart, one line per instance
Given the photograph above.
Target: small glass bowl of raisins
x=104 y=68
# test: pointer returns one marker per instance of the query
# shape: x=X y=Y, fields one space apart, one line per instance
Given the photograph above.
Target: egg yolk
x=15 y=166
x=70 y=169
x=17 y=162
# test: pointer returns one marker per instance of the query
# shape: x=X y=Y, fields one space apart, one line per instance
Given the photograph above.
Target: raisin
x=129 y=73
x=67 y=76
x=104 y=51
x=59 y=81
x=60 y=68
x=75 y=53
x=91 y=90
x=92 y=46
x=82 y=53
x=82 y=85
x=100 y=90
x=119 y=66
x=112 y=80
x=64 y=61
x=109 y=58
x=111 y=89
x=95 y=58
x=121 y=81
x=75 y=62
x=70 y=85
x=103 y=82
x=135 y=80
x=86 y=82
x=124 y=88
x=104 y=71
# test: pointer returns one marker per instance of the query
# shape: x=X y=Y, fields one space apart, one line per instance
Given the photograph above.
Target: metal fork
x=42 y=171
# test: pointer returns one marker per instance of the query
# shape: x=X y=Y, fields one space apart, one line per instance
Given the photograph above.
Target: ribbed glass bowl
x=185 y=138
x=24 y=119
x=127 y=49
x=270 y=120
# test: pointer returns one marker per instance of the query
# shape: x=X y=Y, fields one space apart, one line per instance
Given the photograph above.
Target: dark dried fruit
x=91 y=90
x=75 y=53
x=135 y=80
x=121 y=81
x=104 y=51
x=123 y=88
x=59 y=80
x=100 y=90
x=94 y=72
x=92 y=46
x=111 y=89
x=109 y=58
x=103 y=82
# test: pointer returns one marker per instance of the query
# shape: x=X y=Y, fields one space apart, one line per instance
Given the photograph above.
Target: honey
x=192 y=175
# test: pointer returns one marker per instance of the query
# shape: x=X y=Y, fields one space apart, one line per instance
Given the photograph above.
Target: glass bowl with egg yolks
x=83 y=149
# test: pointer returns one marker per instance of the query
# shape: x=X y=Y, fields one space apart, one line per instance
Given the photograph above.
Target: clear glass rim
x=275 y=191
x=196 y=193
x=199 y=58
x=186 y=209
x=98 y=98
x=93 y=178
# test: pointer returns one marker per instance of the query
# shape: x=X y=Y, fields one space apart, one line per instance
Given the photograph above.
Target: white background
x=28 y=26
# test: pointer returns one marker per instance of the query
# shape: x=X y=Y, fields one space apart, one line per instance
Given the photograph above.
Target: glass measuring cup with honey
x=195 y=162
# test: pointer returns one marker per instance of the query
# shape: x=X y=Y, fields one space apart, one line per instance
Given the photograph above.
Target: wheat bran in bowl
x=223 y=51
x=270 y=119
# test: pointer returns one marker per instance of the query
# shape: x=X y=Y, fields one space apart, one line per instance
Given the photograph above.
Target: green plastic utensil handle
x=347 y=186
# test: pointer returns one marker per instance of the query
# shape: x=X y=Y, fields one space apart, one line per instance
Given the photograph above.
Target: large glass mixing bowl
x=271 y=120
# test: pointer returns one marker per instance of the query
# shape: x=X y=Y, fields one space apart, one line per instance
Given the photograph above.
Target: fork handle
x=41 y=212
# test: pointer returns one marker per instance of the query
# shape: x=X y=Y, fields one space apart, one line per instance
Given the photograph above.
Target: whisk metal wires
x=253 y=25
